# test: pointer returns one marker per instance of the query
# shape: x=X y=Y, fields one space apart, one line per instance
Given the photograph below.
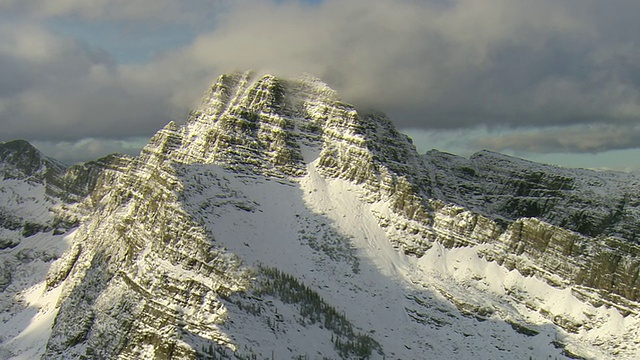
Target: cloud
x=101 y=10
x=57 y=89
x=468 y=63
x=573 y=139
x=569 y=68
x=71 y=152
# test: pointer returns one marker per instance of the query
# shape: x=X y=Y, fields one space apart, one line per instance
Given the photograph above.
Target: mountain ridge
x=167 y=255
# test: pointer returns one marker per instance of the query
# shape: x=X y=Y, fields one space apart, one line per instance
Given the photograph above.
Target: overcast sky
x=550 y=80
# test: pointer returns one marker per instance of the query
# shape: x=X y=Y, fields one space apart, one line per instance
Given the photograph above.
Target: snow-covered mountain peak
x=20 y=160
x=590 y=202
x=280 y=222
x=259 y=93
x=263 y=124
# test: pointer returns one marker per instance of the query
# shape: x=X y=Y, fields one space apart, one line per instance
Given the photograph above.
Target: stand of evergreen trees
x=313 y=309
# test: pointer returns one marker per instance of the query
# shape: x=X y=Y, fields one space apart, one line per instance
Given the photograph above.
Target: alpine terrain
x=280 y=223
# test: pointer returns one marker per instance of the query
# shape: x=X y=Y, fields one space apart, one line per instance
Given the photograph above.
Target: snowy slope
x=411 y=306
x=32 y=236
x=28 y=306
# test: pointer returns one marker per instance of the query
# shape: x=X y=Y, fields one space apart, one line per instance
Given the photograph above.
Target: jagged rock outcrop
x=81 y=180
x=578 y=224
x=606 y=264
x=144 y=274
x=263 y=124
x=243 y=124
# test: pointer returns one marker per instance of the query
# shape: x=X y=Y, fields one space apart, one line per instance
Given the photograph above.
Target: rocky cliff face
x=38 y=209
x=505 y=188
x=263 y=224
x=579 y=224
x=34 y=185
x=142 y=272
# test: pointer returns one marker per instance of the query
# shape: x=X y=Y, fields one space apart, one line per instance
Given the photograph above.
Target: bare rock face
x=20 y=160
x=245 y=124
x=81 y=180
x=145 y=273
x=578 y=224
x=505 y=188
x=606 y=264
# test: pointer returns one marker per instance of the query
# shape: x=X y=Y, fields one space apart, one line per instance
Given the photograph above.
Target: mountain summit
x=279 y=222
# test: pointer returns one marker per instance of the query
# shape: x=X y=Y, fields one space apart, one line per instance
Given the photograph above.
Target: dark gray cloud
x=56 y=89
x=556 y=67
x=493 y=63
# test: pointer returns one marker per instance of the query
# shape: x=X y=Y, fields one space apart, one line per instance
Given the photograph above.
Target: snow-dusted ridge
x=38 y=213
x=278 y=222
